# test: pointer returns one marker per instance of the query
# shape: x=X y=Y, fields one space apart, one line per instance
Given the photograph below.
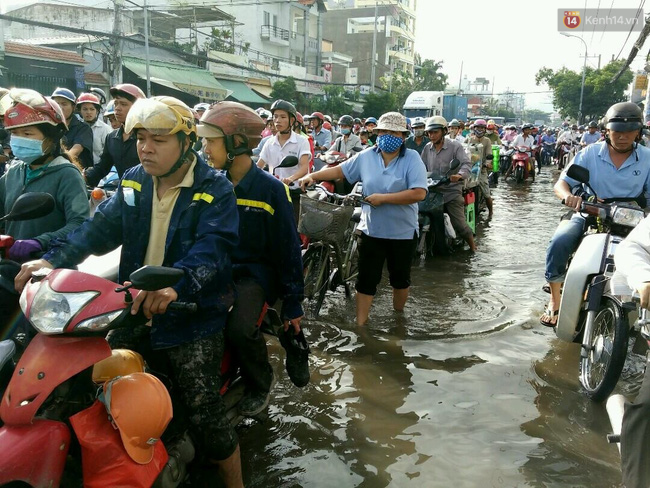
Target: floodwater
x=464 y=389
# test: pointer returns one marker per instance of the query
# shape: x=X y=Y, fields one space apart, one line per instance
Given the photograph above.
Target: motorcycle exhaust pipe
x=615 y=407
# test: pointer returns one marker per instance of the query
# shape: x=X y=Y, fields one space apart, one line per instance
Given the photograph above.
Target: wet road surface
x=464 y=389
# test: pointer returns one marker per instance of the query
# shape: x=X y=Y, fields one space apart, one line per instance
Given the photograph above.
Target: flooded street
x=464 y=389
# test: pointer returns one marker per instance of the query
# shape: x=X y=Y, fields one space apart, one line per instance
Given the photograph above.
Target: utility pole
x=374 y=51
x=584 y=69
x=460 y=80
x=146 y=47
x=116 y=55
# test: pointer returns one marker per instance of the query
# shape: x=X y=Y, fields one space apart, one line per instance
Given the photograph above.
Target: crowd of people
x=203 y=189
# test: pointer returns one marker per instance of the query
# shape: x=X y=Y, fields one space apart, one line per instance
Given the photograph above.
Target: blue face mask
x=345 y=132
x=25 y=149
x=389 y=143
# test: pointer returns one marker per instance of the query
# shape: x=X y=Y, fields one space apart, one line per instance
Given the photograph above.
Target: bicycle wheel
x=602 y=366
x=316 y=272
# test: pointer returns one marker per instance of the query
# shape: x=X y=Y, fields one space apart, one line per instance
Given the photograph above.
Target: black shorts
x=374 y=252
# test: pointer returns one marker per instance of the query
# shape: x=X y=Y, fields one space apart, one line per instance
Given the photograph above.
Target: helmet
x=527 y=126
x=346 y=120
x=101 y=94
x=226 y=119
x=283 y=105
x=110 y=108
x=31 y=108
x=593 y=123
x=299 y=118
x=327 y=126
x=319 y=116
x=574 y=127
x=327 y=118
x=64 y=93
x=454 y=123
x=140 y=406
x=419 y=122
x=436 y=122
x=201 y=107
x=128 y=91
x=480 y=122
x=624 y=117
x=89 y=98
x=121 y=363
x=370 y=120
x=161 y=116
x=408 y=122
x=5 y=101
x=357 y=120
x=581 y=127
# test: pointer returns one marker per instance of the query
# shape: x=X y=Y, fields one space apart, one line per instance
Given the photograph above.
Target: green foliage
x=531 y=115
x=333 y=103
x=187 y=47
x=376 y=104
x=220 y=41
x=286 y=90
x=599 y=92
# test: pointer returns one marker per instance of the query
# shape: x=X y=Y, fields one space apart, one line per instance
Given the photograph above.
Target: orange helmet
x=140 y=407
x=121 y=363
x=228 y=119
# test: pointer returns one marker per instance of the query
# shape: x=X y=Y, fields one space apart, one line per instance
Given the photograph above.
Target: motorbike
x=548 y=150
x=523 y=164
x=568 y=150
x=589 y=313
x=505 y=157
x=437 y=235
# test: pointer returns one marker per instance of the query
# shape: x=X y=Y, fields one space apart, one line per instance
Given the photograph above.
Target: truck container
x=454 y=107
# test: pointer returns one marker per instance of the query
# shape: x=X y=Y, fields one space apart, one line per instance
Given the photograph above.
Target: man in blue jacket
x=267 y=264
x=172 y=210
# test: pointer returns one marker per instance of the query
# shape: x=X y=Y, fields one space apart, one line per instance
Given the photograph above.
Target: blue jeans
x=564 y=242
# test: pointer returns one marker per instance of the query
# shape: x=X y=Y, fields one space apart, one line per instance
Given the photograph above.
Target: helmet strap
x=609 y=143
x=180 y=161
x=233 y=152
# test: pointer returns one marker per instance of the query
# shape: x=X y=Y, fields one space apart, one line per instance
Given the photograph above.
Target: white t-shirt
x=520 y=141
x=100 y=131
x=273 y=154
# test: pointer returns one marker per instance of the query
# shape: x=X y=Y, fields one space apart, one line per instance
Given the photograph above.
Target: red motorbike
x=72 y=311
x=523 y=164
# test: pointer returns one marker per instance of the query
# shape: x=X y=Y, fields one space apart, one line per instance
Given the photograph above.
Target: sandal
x=552 y=314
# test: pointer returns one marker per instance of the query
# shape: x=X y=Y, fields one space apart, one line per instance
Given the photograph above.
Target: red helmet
x=327 y=126
x=127 y=90
x=227 y=119
x=479 y=122
x=300 y=119
x=89 y=98
x=318 y=115
x=32 y=108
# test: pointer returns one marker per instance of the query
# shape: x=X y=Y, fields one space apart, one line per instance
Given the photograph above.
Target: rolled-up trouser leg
x=635 y=438
x=245 y=338
x=564 y=242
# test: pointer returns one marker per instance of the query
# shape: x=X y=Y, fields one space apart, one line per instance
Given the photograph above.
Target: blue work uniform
x=117 y=152
x=80 y=133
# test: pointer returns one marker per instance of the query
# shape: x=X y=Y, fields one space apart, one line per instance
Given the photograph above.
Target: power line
x=593 y=31
x=638 y=12
x=608 y=13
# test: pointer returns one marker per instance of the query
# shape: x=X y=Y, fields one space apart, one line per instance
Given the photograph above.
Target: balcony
x=400 y=30
x=401 y=55
x=298 y=43
x=275 y=35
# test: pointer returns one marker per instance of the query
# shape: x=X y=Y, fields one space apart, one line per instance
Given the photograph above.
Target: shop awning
x=188 y=79
x=264 y=90
x=242 y=93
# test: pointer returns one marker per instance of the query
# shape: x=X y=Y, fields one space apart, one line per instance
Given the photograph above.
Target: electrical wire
x=608 y=13
x=593 y=31
x=638 y=12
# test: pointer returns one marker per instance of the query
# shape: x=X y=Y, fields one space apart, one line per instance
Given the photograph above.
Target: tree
x=286 y=90
x=531 y=115
x=599 y=91
x=377 y=104
x=220 y=41
x=428 y=77
x=333 y=103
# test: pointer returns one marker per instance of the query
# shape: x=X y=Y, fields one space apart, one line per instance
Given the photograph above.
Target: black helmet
x=357 y=120
x=527 y=126
x=624 y=117
x=346 y=120
x=284 y=105
x=593 y=124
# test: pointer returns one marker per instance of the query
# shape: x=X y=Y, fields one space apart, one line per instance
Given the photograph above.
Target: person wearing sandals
x=619 y=168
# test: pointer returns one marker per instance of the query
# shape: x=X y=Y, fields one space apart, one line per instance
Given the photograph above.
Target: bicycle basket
x=323 y=221
x=432 y=201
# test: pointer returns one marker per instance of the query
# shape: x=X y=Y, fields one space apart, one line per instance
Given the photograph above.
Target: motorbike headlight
x=51 y=311
x=629 y=217
x=98 y=323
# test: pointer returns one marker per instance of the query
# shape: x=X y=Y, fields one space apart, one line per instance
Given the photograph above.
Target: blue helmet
x=370 y=120
x=64 y=93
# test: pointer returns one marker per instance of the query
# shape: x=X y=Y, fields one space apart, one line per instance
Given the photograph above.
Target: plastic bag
x=104 y=460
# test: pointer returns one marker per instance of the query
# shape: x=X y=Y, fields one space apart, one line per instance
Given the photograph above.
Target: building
x=353 y=26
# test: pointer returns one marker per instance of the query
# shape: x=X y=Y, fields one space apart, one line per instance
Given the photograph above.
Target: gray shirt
x=438 y=162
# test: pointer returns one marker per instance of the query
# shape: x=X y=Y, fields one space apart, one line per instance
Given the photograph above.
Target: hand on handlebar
x=153 y=302
x=306 y=181
x=27 y=270
x=375 y=199
x=573 y=201
x=295 y=323
x=455 y=178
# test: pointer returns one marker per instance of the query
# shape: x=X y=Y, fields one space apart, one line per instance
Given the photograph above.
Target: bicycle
x=331 y=259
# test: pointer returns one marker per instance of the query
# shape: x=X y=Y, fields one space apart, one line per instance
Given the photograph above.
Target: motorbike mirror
x=288 y=162
x=151 y=278
x=30 y=206
x=454 y=165
x=357 y=149
x=578 y=173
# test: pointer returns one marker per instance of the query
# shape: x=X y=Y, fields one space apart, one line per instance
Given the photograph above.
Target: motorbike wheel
x=316 y=272
x=519 y=174
x=602 y=366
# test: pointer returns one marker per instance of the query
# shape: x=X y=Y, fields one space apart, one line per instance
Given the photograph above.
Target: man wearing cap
x=120 y=148
x=593 y=135
x=322 y=136
x=79 y=138
x=89 y=109
x=394 y=180
x=370 y=125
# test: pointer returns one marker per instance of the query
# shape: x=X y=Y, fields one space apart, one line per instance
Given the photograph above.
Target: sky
x=507 y=42
x=510 y=41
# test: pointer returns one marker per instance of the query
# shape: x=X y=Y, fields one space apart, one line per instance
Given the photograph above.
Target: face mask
x=479 y=132
x=490 y=132
x=345 y=132
x=418 y=132
x=389 y=143
x=25 y=149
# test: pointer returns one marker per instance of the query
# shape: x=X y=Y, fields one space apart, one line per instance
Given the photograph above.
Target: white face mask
x=418 y=132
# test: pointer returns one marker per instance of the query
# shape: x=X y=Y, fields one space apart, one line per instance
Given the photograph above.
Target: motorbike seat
x=356 y=215
x=7 y=351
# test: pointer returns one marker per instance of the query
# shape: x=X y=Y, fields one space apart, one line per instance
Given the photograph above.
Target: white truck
x=424 y=104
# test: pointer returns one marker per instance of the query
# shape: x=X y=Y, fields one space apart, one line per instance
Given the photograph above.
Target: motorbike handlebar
x=183 y=307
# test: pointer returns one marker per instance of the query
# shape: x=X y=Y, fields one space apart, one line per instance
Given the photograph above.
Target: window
x=267 y=18
x=275 y=21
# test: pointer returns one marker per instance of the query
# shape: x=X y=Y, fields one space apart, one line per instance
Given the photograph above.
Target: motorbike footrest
x=614 y=438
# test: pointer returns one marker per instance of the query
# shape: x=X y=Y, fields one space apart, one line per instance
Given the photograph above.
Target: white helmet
x=418 y=121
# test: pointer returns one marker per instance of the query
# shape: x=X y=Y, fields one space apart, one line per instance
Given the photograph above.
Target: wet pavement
x=464 y=389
